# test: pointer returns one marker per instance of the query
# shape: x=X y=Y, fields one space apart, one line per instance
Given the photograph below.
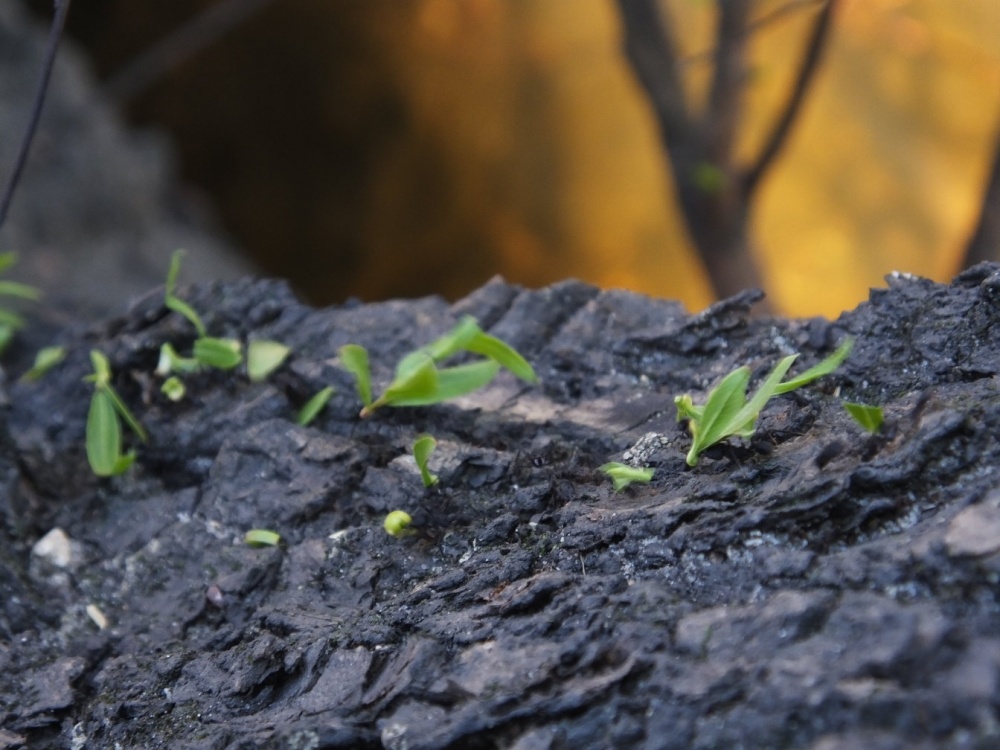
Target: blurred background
x=381 y=148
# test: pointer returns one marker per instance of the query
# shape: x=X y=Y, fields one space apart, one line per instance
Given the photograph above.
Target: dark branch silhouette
x=985 y=241
x=205 y=29
x=55 y=34
x=715 y=193
x=807 y=72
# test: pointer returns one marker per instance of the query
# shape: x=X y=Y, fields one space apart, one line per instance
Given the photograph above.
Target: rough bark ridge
x=813 y=588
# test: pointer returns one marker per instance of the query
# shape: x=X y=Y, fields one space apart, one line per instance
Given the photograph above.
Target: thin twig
x=52 y=46
x=183 y=44
x=807 y=71
x=789 y=8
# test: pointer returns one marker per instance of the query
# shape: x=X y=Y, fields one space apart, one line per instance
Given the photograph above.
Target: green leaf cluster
x=420 y=381
x=727 y=412
x=622 y=475
x=10 y=321
x=45 y=359
x=263 y=357
x=104 y=430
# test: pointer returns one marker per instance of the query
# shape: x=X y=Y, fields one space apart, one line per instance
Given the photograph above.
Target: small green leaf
x=46 y=358
x=102 y=369
x=423 y=447
x=262 y=538
x=417 y=385
x=104 y=437
x=504 y=354
x=453 y=342
x=314 y=406
x=6 y=335
x=825 y=367
x=448 y=383
x=869 y=417
x=7 y=259
x=222 y=354
x=170 y=361
x=264 y=357
x=623 y=475
x=176 y=304
x=124 y=413
x=173 y=388
x=397 y=523
x=16 y=289
x=354 y=359
x=709 y=178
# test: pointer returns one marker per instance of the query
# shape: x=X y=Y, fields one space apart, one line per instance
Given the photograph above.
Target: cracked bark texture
x=814 y=587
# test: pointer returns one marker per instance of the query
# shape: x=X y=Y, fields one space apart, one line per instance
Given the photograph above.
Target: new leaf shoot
x=623 y=475
x=314 y=406
x=423 y=447
x=419 y=381
x=727 y=412
x=104 y=433
x=869 y=417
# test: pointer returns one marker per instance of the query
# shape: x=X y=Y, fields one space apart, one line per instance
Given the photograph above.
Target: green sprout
x=623 y=475
x=173 y=388
x=314 y=406
x=397 y=524
x=869 y=417
x=263 y=357
x=46 y=358
x=104 y=431
x=10 y=321
x=419 y=381
x=262 y=538
x=423 y=447
x=727 y=412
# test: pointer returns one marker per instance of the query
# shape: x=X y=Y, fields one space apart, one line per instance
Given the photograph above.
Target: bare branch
x=649 y=47
x=183 y=44
x=52 y=46
x=807 y=71
x=778 y=14
x=725 y=99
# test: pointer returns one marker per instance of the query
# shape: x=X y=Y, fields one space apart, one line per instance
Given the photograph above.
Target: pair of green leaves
x=263 y=357
x=419 y=381
x=104 y=429
x=727 y=412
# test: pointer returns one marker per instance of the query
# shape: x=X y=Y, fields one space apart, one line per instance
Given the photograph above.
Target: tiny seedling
x=46 y=358
x=314 y=406
x=419 y=381
x=10 y=321
x=397 y=524
x=104 y=432
x=869 y=417
x=423 y=447
x=173 y=388
x=727 y=412
x=623 y=475
x=262 y=538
